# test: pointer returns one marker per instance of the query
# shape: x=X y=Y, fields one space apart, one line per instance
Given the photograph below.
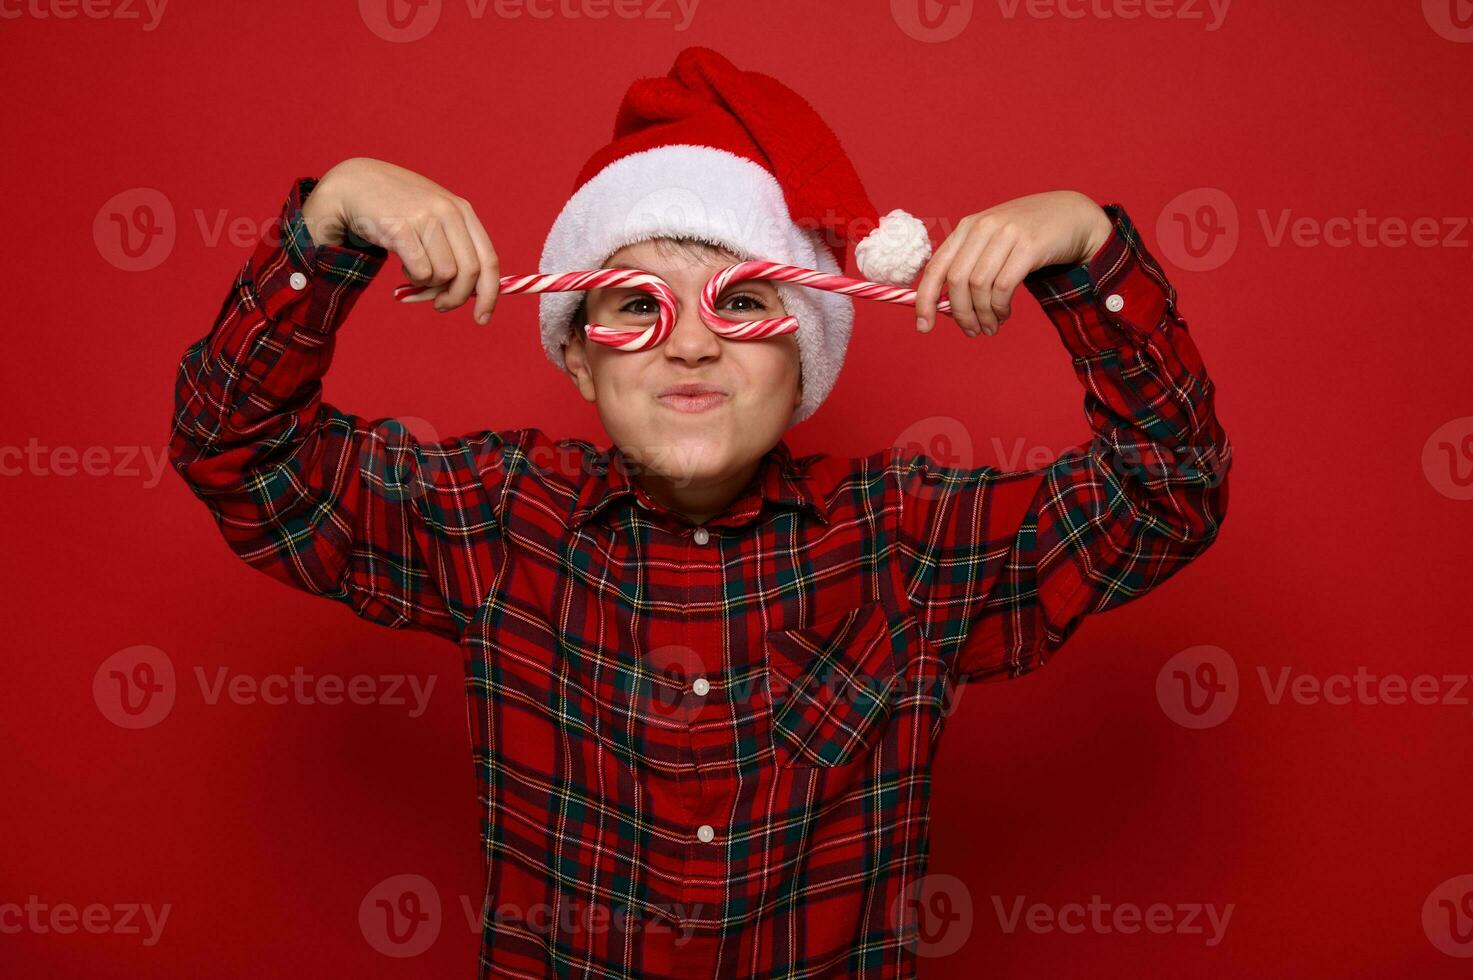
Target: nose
x=690 y=340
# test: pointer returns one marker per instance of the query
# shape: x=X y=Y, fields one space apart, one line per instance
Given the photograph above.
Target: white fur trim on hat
x=700 y=192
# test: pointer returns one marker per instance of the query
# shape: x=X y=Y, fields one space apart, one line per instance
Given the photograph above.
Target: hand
x=989 y=254
x=436 y=235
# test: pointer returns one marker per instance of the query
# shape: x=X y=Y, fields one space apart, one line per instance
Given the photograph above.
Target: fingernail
x=921 y=324
x=483 y=319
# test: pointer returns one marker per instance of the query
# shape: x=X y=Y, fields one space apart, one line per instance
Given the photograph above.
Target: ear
x=575 y=359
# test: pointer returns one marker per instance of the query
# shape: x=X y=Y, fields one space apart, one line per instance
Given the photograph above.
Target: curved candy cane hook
x=776 y=271
x=562 y=282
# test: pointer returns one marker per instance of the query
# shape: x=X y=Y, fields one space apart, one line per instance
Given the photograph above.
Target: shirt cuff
x=317 y=283
x=1118 y=297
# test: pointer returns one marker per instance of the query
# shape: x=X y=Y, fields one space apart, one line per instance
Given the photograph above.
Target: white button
x=643 y=504
x=298 y=281
x=701 y=686
x=702 y=535
x=706 y=833
x=1114 y=303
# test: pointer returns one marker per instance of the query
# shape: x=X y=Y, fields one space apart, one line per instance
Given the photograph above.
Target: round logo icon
x=668 y=207
x=134 y=230
x=933 y=914
x=400 y=916
x=400 y=461
x=932 y=21
x=134 y=688
x=400 y=21
x=1447 y=459
x=1451 y=19
x=1198 y=229
x=945 y=442
x=1198 y=688
x=1447 y=916
x=661 y=692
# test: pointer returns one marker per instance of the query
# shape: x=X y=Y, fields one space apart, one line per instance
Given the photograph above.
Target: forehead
x=676 y=262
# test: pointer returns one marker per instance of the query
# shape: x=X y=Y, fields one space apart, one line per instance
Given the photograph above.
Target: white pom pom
x=895 y=251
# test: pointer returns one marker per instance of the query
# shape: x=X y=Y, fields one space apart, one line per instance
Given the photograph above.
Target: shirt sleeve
x=1001 y=567
x=359 y=511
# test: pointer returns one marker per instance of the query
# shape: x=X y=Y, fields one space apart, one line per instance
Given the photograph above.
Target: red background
x=1326 y=826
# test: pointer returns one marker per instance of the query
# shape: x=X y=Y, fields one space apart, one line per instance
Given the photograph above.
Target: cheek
x=771 y=367
x=618 y=375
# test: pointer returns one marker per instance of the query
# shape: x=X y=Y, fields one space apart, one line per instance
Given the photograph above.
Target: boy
x=705 y=679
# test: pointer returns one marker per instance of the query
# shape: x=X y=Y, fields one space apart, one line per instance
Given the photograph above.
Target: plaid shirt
x=702 y=751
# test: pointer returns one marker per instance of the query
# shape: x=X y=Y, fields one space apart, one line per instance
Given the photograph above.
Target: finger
x=488 y=283
x=418 y=268
x=467 y=262
x=442 y=257
x=929 y=289
x=1020 y=262
x=959 y=277
x=982 y=282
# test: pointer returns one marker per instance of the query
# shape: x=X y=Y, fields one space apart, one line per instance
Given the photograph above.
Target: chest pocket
x=832 y=687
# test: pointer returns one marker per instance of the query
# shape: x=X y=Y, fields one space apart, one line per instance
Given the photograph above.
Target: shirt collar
x=780 y=480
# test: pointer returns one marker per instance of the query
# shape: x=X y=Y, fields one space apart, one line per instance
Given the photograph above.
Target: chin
x=691 y=458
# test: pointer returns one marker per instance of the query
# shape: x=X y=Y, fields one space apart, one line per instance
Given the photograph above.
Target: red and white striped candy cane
x=627 y=339
x=623 y=339
x=777 y=326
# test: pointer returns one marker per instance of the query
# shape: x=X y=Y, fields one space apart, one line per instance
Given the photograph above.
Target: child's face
x=684 y=443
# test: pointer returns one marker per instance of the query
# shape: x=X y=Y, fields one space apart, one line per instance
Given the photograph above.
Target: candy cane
x=561 y=282
x=626 y=339
x=777 y=326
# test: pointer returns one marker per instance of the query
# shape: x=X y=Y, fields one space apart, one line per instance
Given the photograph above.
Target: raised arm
x=1002 y=567
x=354 y=510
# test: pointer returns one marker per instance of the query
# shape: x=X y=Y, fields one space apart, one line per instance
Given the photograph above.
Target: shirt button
x=706 y=833
x=702 y=535
x=701 y=686
x=1114 y=303
x=642 y=503
x=298 y=281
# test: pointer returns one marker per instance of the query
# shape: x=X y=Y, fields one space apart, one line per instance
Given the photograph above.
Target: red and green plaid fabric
x=702 y=752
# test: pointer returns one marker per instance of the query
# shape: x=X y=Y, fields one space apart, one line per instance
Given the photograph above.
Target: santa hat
x=737 y=159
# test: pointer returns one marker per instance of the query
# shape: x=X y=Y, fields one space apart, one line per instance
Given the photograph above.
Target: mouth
x=692 y=398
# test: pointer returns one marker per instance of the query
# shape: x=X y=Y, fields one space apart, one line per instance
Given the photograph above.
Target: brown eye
x=745 y=303
x=641 y=306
